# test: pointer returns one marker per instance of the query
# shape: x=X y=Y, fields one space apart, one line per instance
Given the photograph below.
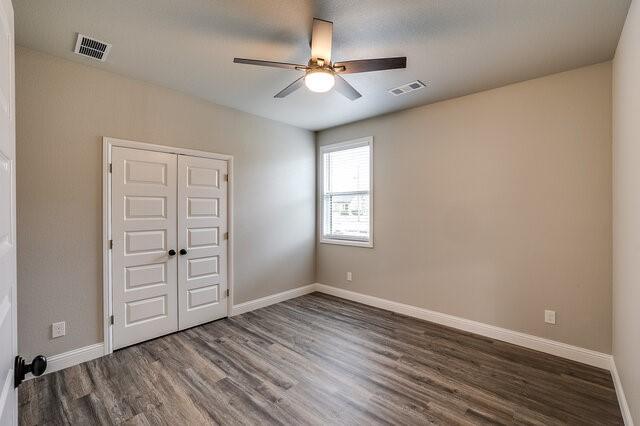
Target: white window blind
x=346 y=192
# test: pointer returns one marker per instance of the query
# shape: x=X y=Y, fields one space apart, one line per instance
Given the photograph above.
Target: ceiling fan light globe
x=319 y=81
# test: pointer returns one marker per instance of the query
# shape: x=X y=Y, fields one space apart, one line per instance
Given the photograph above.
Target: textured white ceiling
x=458 y=46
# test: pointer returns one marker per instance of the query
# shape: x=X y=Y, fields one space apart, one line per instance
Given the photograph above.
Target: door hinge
x=228 y=292
x=226 y=235
x=111 y=320
x=110 y=167
x=226 y=178
x=110 y=244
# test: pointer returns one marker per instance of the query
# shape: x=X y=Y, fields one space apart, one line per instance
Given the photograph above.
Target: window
x=346 y=193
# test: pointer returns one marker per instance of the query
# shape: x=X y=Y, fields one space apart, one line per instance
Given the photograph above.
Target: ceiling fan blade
x=290 y=88
x=321 y=37
x=269 y=64
x=366 y=65
x=346 y=89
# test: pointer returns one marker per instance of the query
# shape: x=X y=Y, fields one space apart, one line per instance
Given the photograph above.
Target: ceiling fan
x=320 y=74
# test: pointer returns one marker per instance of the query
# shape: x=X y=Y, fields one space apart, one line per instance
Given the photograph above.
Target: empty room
x=319 y=212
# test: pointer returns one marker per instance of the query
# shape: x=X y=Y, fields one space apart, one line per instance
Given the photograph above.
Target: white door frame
x=107 y=144
x=8 y=300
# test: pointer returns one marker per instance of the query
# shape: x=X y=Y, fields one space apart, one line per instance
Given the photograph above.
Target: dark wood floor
x=318 y=359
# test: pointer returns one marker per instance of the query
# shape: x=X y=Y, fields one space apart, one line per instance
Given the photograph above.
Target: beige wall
x=493 y=207
x=626 y=209
x=63 y=111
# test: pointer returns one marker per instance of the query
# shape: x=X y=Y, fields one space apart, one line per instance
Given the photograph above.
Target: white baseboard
x=270 y=300
x=72 y=357
x=622 y=400
x=586 y=356
x=87 y=353
x=575 y=353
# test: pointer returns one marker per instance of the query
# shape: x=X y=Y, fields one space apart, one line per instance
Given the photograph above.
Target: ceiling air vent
x=92 y=48
x=407 y=88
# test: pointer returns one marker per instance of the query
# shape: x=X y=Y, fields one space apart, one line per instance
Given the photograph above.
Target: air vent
x=407 y=88
x=92 y=48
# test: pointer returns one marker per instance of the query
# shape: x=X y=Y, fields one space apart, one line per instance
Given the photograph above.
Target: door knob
x=172 y=252
x=183 y=251
x=21 y=368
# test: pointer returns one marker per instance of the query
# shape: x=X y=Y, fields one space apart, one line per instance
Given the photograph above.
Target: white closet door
x=202 y=225
x=143 y=217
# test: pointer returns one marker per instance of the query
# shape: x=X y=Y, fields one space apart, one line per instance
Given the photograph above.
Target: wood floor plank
x=319 y=360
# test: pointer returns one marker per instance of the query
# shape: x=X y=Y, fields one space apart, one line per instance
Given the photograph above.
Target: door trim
x=107 y=144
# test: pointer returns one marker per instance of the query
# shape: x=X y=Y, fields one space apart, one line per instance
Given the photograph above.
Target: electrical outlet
x=550 y=317
x=349 y=277
x=58 y=329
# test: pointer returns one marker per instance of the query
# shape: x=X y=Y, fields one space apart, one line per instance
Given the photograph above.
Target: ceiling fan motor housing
x=319 y=63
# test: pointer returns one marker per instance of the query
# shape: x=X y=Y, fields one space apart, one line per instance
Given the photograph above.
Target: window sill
x=365 y=244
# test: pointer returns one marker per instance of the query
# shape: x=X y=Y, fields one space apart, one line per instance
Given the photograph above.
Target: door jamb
x=107 y=145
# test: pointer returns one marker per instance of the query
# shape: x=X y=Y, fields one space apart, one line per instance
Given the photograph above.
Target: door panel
x=146 y=310
x=139 y=242
x=203 y=237
x=202 y=207
x=8 y=317
x=202 y=224
x=146 y=172
x=205 y=266
x=144 y=218
x=145 y=207
x=145 y=275
x=203 y=296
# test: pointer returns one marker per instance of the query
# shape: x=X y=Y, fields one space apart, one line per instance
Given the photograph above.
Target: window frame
x=340 y=146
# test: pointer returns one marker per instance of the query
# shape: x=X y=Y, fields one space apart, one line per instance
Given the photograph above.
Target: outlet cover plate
x=58 y=329
x=550 y=317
